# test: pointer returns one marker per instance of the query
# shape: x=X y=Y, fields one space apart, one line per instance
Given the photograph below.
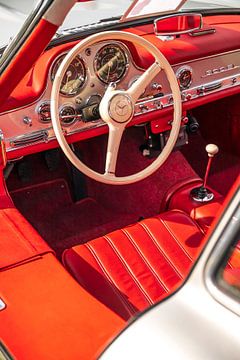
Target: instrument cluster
x=110 y=65
x=86 y=79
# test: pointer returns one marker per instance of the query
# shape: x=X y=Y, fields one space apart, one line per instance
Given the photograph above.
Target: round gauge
x=68 y=115
x=184 y=76
x=44 y=113
x=110 y=63
x=74 y=78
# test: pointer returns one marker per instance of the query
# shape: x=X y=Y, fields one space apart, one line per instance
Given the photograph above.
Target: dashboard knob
x=156 y=86
x=158 y=104
x=27 y=121
x=188 y=97
x=143 y=108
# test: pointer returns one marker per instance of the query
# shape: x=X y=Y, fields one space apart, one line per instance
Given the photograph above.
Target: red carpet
x=144 y=197
x=62 y=223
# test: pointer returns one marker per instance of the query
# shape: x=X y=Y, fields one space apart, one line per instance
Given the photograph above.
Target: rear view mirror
x=178 y=24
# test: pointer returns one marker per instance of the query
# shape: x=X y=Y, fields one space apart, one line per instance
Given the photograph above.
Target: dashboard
x=85 y=83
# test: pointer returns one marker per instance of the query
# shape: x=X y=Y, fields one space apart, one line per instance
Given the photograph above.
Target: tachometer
x=110 y=63
x=74 y=78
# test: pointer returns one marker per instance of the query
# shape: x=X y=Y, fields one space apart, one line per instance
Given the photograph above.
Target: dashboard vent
x=34 y=137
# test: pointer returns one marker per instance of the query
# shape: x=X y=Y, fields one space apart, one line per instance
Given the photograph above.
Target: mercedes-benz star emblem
x=121 y=107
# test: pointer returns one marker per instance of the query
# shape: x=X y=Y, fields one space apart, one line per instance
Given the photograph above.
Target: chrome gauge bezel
x=54 y=69
x=62 y=109
x=179 y=73
x=39 y=110
x=125 y=53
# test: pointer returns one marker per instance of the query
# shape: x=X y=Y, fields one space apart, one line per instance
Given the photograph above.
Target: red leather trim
x=192 y=182
x=49 y=316
x=132 y=268
x=205 y=214
x=178 y=197
x=19 y=242
x=179 y=50
x=19 y=66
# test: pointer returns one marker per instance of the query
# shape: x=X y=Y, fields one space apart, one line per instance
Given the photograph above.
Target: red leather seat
x=135 y=267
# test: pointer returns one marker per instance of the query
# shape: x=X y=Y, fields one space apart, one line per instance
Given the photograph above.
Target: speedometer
x=110 y=63
x=74 y=77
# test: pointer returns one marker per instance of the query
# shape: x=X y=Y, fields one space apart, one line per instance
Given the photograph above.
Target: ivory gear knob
x=202 y=193
x=212 y=150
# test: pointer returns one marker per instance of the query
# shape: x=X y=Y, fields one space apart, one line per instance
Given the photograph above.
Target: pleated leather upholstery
x=135 y=267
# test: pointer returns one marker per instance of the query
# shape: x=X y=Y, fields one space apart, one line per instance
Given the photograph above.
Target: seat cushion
x=133 y=268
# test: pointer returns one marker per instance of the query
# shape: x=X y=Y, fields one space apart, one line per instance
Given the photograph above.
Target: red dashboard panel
x=183 y=49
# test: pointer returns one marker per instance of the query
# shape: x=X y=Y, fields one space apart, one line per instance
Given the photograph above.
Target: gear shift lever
x=202 y=194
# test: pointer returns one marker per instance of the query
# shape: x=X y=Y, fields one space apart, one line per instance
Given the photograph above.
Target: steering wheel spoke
x=114 y=140
x=117 y=109
x=139 y=86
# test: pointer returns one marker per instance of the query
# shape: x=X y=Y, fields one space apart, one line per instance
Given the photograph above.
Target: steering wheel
x=117 y=109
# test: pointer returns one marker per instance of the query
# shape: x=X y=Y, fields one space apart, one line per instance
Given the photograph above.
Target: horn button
x=121 y=108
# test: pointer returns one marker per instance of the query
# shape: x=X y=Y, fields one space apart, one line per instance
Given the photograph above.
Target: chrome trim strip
x=29 y=139
x=202 y=32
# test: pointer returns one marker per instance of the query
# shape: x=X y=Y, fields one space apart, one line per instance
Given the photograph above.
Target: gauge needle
x=109 y=68
x=108 y=64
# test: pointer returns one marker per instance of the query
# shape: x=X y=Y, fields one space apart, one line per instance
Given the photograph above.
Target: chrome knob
x=156 y=86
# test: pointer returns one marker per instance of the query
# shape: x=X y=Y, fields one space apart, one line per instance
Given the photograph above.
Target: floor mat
x=38 y=171
x=62 y=223
x=225 y=167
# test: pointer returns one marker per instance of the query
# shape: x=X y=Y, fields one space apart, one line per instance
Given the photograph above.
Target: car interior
x=129 y=244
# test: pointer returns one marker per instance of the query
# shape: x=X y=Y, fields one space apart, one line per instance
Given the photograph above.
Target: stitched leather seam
x=194 y=221
x=160 y=249
x=129 y=271
x=175 y=238
x=112 y=283
x=147 y=263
